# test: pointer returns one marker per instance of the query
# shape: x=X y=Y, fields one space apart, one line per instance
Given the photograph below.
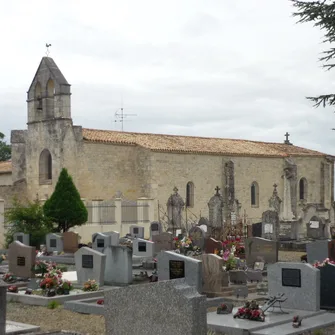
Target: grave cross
x=217 y=189
x=175 y=190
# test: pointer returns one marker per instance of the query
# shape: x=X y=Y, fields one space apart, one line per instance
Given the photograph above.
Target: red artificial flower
x=176 y=239
x=100 y=302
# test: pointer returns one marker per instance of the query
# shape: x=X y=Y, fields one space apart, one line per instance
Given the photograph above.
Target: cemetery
x=209 y=279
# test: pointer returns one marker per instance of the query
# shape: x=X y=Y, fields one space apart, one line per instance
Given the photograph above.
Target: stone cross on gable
x=287 y=141
x=217 y=189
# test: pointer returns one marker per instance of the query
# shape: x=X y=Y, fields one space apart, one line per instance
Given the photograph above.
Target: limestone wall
x=6 y=179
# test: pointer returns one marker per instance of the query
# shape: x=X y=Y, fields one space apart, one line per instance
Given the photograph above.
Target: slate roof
x=5 y=167
x=198 y=145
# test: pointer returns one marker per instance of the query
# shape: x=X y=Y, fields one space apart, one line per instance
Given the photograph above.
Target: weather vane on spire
x=48 y=51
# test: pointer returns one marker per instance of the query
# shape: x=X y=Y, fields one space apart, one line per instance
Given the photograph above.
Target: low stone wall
x=86 y=306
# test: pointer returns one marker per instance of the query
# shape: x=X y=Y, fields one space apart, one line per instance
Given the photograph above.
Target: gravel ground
x=60 y=319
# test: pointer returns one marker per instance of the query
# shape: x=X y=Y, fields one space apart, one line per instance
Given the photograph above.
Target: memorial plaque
x=142 y=246
x=21 y=261
x=291 y=277
x=53 y=243
x=87 y=261
x=19 y=238
x=100 y=243
x=154 y=227
x=135 y=230
x=177 y=269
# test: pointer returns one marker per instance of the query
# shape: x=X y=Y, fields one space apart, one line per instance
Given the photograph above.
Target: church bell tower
x=49 y=95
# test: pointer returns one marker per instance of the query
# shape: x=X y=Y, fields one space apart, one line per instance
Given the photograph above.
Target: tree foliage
x=5 y=149
x=27 y=217
x=65 y=206
x=322 y=14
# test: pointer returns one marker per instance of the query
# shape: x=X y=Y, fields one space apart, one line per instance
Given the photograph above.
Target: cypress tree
x=64 y=206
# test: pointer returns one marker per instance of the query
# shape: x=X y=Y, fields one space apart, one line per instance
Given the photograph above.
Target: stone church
x=108 y=165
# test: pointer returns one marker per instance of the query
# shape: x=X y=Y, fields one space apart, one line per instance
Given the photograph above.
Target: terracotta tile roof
x=199 y=145
x=5 y=167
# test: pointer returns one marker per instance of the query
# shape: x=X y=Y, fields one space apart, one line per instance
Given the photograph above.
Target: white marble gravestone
x=155 y=229
x=22 y=237
x=54 y=242
x=143 y=248
x=103 y=240
x=136 y=231
x=90 y=264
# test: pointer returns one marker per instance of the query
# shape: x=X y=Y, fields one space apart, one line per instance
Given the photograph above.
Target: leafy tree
x=27 y=217
x=65 y=206
x=5 y=149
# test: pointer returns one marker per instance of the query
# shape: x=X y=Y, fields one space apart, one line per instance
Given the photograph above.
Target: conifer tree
x=65 y=206
x=322 y=14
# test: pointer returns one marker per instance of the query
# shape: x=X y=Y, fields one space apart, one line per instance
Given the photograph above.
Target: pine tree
x=65 y=206
x=322 y=13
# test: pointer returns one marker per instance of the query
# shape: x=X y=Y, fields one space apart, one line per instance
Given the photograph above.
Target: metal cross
x=275 y=185
x=175 y=190
x=48 y=51
x=287 y=135
x=217 y=189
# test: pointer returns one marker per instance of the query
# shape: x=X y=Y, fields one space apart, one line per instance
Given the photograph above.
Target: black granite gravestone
x=53 y=243
x=327 y=291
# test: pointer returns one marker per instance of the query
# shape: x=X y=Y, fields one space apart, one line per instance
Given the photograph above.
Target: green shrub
x=53 y=304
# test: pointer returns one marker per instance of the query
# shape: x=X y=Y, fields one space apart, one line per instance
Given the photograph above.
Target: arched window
x=45 y=166
x=303 y=189
x=189 y=194
x=50 y=88
x=254 y=194
x=38 y=90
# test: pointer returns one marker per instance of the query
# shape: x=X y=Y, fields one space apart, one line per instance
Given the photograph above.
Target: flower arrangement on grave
x=100 y=302
x=224 y=309
x=324 y=263
x=2 y=258
x=13 y=289
x=296 y=322
x=250 y=311
x=9 y=278
x=90 y=285
x=52 y=282
x=184 y=245
x=65 y=287
x=43 y=267
x=229 y=259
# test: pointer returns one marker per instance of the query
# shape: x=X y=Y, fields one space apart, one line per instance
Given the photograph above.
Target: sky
x=216 y=68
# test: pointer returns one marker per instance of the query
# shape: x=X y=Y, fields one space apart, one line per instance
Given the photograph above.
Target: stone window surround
x=254 y=195
x=189 y=194
x=45 y=168
x=303 y=189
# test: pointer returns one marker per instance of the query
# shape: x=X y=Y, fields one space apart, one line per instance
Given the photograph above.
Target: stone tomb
x=90 y=264
x=22 y=237
x=300 y=282
x=261 y=250
x=54 y=242
x=70 y=242
x=171 y=265
x=21 y=259
x=155 y=229
x=211 y=245
x=103 y=240
x=119 y=270
x=270 y=225
x=163 y=241
x=136 y=231
x=164 y=308
x=317 y=251
x=197 y=236
x=143 y=248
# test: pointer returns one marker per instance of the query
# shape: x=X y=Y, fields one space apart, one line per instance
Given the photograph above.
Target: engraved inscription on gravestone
x=87 y=261
x=142 y=247
x=100 y=243
x=154 y=227
x=177 y=269
x=21 y=261
x=291 y=277
x=53 y=243
x=19 y=238
x=135 y=230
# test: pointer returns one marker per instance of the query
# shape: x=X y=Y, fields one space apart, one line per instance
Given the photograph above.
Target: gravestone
x=261 y=250
x=21 y=259
x=317 y=251
x=155 y=229
x=256 y=229
x=211 y=245
x=214 y=278
x=54 y=242
x=331 y=250
x=270 y=225
x=164 y=308
x=171 y=265
x=119 y=270
x=136 y=231
x=327 y=292
x=90 y=264
x=103 y=240
x=70 y=242
x=215 y=207
x=22 y=237
x=143 y=248
x=316 y=228
x=163 y=241
x=197 y=236
x=300 y=282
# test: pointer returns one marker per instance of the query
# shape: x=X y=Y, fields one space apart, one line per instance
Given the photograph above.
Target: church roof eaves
x=198 y=145
x=5 y=167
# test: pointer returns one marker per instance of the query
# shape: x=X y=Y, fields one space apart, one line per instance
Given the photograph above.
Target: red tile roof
x=198 y=145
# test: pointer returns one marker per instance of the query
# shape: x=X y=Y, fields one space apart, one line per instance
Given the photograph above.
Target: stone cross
x=217 y=189
x=175 y=189
x=287 y=141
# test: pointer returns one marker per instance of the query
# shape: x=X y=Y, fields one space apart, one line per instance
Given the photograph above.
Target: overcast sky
x=222 y=68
